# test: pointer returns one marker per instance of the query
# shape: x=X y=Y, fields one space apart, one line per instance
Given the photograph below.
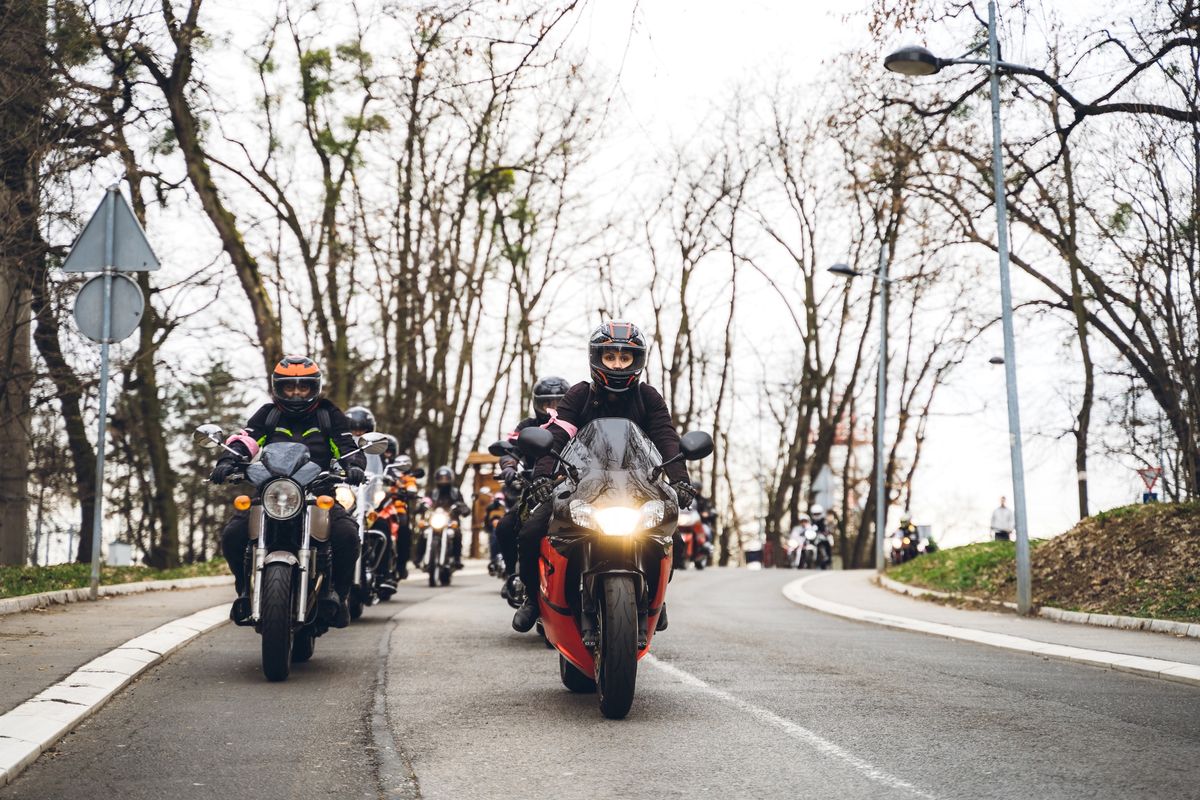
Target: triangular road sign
x=131 y=251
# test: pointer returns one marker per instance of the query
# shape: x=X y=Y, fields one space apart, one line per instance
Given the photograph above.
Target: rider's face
x=617 y=359
x=297 y=391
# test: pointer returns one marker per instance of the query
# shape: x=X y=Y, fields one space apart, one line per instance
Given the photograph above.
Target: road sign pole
x=106 y=331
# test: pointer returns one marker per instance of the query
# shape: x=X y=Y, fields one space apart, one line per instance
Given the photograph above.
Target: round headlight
x=282 y=499
x=896 y=544
x=345 y=496
x=810 y=534
x=378 y=498
x=440 y=519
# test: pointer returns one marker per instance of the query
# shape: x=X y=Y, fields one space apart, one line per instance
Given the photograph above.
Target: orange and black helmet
x=296 y=384
x=622 y=337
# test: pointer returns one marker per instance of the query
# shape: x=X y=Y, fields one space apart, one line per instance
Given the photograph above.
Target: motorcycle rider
x=392 y=451
x=446 y=495
x=546 y=395
x=297 y=413
x=363 y=421
x=404 y=490
x=616 y=357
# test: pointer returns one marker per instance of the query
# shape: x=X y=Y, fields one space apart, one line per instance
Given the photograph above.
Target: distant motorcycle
x=364 y=503
x=439 y=530
x=692 y=542
x=288 y=575
x=905 y=545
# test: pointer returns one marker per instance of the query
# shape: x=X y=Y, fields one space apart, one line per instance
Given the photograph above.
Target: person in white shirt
x=1003 y=522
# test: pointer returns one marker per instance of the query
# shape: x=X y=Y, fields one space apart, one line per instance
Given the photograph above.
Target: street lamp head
x=845 y=270
x=913 y=60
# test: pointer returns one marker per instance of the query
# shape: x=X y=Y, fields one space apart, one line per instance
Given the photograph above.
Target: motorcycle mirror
x=419 y=472
x=373 y=444
x=535 y=442
x=501 y=448
x=208 y=435
x=696 y=445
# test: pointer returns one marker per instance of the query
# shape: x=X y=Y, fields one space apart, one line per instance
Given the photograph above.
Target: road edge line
x=31 y=602
x=34 y=726
x=1138 y=665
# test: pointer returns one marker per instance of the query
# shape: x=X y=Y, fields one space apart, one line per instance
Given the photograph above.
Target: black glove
x=222 y=471
x=508 y=474
x=355 y=476
x=684 y=493
x=539 y=491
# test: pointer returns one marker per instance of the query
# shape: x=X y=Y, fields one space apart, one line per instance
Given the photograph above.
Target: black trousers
x=532 y=531
x=343 y=544
x=507 y=530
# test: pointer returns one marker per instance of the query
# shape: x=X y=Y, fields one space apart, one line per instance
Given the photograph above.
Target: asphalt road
x=748 y=696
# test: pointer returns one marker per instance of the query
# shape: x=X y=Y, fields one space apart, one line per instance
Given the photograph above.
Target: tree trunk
x=23 y=86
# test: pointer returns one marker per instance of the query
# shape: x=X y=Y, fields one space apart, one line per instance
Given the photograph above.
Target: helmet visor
x=296 y=388
x=542 y=403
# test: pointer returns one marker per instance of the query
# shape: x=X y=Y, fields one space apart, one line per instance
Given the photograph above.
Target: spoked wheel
x=616 y=658
x=276 y=621
x=303 y=645
x=573 y=679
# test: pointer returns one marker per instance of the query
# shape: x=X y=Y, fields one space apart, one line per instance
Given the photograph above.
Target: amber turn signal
x=325 y=501
x=242 y=502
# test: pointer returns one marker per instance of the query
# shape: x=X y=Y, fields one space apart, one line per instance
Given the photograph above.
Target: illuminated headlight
x=439 y=520
x=378 y=498
x=907 y=541
x=345 y=497
x=617 y=520
x=810 y=534
x=920 y=547
x=896 y=544
x=282 y=499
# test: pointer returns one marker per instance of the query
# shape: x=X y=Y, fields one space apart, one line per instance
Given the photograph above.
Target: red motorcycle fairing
x=559 y=620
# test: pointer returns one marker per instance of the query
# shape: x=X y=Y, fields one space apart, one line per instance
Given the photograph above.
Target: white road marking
x=798 y=732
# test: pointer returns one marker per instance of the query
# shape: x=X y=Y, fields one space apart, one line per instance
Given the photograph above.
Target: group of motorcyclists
x=515 y=519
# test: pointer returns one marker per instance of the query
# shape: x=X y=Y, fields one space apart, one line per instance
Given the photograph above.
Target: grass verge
x=16 y=581
x=1138 y=561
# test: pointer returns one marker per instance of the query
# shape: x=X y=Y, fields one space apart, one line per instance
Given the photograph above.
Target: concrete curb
x=916 y=591
x=1123 y=662
x=34 y=726
x=28 y=602
x=1189 y=629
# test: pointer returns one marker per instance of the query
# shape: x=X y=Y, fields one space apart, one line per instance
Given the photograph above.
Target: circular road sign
x=127 y=307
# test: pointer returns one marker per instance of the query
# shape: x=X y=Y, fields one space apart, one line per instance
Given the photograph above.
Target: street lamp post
x=881 y=496
x=919 y=61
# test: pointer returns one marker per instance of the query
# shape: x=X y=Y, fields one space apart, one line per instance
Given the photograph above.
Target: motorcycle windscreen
x=281 y=459
x=614 y=457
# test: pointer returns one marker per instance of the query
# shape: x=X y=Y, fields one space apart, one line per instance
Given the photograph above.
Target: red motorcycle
x=605 y=564
x=691 y=546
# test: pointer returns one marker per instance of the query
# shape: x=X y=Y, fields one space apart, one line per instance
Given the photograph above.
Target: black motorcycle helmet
x=393 y=449
x=361 y=420
x=443 y=478
x=621 y=338
x=296 y=384
x=546 y=394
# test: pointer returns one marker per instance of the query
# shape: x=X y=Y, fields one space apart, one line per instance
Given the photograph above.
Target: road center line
x=793 y=730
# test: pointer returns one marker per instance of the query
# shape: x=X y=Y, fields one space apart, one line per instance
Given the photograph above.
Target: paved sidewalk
x=39 y=648
x=854 y=588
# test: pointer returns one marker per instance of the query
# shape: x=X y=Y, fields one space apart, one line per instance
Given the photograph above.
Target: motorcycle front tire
x=275 y=622
x=616 y=658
